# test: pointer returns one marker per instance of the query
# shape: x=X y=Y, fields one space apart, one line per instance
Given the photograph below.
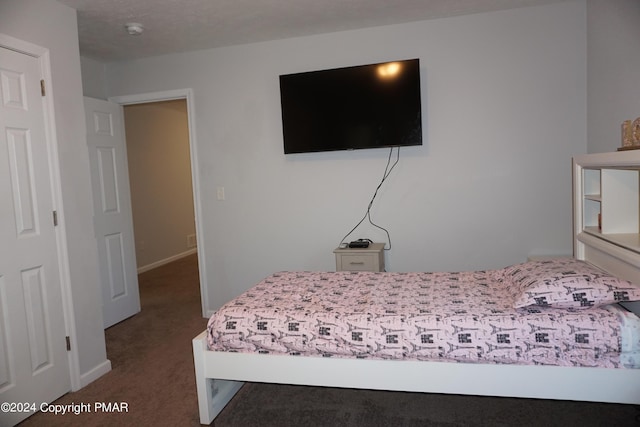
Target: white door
x=34 y=365
x=113 y=220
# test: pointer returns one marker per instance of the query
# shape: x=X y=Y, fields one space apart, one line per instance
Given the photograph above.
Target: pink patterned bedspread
x=461 y=317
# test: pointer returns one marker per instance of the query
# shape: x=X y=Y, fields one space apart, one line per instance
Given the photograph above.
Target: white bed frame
x=220 y=375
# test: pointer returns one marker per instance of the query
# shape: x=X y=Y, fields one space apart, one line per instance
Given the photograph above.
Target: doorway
x=165 y=101
x=157 y=140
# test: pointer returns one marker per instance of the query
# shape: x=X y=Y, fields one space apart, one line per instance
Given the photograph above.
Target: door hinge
x=68 y=343
x=42 y=89
x=55 y=218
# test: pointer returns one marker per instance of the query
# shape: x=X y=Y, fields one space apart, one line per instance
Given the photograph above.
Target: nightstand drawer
x=359 y=262
x=360 y=259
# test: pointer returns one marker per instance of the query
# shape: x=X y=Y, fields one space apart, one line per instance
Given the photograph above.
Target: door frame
x=187 y=95
x=43 y=57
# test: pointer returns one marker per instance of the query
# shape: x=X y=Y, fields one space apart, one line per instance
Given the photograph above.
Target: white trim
x=22 y=46
x=166 y=260
x=95 y=373
x=195 y=170
x=142 y=98
x=63 y=250
x=42 y=54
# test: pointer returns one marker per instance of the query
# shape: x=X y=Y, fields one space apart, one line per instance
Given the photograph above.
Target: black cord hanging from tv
x=367 y=215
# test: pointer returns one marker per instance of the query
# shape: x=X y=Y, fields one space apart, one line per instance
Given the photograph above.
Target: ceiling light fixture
x=134 y=28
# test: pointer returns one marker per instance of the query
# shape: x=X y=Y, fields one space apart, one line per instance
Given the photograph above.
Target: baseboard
x=95 y=373
x=166 y=260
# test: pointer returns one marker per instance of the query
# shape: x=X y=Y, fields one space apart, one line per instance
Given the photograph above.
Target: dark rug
x=268 y=405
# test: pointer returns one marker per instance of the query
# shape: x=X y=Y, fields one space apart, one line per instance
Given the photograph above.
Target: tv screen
x=367 y=106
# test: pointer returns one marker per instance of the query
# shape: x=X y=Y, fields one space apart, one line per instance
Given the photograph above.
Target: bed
x=598 y=366
x=517 y=357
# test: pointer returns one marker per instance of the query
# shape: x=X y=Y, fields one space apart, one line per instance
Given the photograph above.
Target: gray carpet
x=268 y=405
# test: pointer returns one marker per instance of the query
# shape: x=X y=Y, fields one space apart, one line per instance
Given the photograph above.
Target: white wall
x=93 y=78
x=52 y=25
x=504 y=109
x=613 y=69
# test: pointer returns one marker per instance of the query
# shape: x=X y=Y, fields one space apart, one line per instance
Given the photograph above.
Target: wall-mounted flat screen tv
x=366 y=106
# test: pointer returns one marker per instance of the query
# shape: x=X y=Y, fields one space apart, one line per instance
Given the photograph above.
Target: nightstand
x=360 y=259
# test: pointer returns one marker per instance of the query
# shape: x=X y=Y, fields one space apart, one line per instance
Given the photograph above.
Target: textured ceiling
x=180 y=25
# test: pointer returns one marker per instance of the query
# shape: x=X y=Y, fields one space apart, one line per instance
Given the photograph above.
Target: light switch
x=220 y=193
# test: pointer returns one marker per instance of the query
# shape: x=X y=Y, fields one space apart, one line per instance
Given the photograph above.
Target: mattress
x=440 y=316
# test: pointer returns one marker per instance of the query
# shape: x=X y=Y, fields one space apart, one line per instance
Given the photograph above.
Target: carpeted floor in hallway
x=151 y=357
